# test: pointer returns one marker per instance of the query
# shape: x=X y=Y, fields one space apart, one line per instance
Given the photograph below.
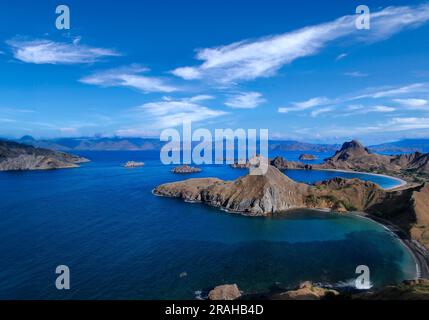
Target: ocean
x=122 y=242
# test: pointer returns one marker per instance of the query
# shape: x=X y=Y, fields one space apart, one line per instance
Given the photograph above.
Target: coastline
x=402 y=182
x=419 y=253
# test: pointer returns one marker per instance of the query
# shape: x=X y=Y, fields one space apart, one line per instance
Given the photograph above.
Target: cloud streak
x=251 y=59
x=51 y=52
x=412 y=103
x=172 y=113
x=245 y=100
x=304 y=105
x=130 y=77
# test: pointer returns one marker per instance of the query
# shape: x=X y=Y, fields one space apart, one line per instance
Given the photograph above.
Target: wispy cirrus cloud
x=412 y=102
x=387 y=127
x=245 y=100
x=251 y=59
x=169 y=113
x=368 y=101
x=356 y=74
x=393 y=91
x=51 y=52
x=354 y=110
x=130 y=77
x=316 y=113
x=341 y=56
x=304 y=105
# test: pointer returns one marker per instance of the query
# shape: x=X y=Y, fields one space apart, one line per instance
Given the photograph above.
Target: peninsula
x=16 y=156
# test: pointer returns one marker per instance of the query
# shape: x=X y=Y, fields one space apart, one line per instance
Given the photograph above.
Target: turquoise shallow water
x=122 y=242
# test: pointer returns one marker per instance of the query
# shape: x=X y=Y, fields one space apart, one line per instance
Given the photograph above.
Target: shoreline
x=419 y=253
x=402 y=182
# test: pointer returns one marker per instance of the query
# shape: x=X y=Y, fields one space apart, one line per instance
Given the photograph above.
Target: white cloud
x=172 y=113
x=50 y=52
x=129 y=77
x=320 y=111
x=245 y=100
x=201 y=97
x=310 y=103
x=250 y=59
x=401 y=124
x=187 y=73
x=69 y=131
x=7 y=120
x=382 y=109
x=341 y=56
x=392 y=92
x=136 y=132
x=356 y=74
x=355 y=110
x=412 y=103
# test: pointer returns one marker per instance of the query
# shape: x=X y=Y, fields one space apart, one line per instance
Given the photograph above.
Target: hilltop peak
x=354 y=144
x=27 y=138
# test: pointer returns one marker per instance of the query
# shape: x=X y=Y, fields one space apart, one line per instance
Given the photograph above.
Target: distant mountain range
x=94 y=143
x=135 y=144
x=406 y=145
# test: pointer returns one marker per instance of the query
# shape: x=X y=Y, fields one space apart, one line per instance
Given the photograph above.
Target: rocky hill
x=275 y=192
x=17 y=156
x=251 y=195
x=354 y=156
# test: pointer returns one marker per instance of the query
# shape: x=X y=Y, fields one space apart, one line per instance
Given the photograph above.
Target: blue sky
x=300 y=69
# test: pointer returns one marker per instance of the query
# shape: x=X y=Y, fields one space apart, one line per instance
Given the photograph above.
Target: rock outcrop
x=133 y=164
x=17 y=156
x=419 y=205
x=225 y=292
x=407 y=290
x=283 y=164
x=306 y=291
x=307 y=157
x=185 y=169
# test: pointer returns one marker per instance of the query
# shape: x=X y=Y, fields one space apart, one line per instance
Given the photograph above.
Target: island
x=307 y=157
x=133 y=164
x=18 y=157
x=185 y=169
x=279 y=162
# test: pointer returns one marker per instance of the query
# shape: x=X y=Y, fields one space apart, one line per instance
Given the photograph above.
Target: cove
x=312 y=176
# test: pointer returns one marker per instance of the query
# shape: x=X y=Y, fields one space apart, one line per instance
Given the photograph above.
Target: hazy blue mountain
x=125 y=143
x=291 y=145
x=406 y=145
x=121 y=144
x=94 y=143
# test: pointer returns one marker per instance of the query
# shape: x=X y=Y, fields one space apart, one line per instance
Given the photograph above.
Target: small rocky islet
x=185 y=169
x=133 y=164
x=307 y=157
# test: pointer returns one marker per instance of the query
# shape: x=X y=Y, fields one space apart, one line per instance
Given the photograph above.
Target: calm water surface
x=121 y=242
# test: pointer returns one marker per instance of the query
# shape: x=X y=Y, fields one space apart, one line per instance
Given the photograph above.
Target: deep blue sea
x=122 y=242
